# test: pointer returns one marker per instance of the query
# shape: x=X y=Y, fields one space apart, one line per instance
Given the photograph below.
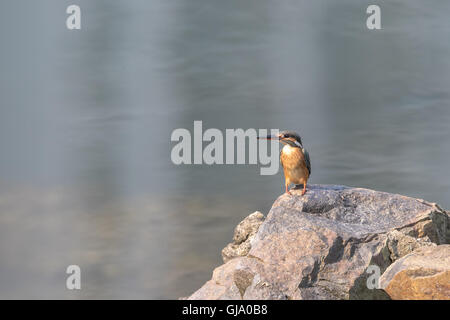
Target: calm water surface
x=86 y=118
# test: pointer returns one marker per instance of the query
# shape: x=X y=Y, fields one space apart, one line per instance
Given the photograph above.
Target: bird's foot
x=287 y=190
x=304 y=189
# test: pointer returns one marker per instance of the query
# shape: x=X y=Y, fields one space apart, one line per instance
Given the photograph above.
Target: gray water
x=86 y=118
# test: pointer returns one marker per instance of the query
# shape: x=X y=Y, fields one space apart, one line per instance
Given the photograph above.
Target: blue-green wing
x=307 y=160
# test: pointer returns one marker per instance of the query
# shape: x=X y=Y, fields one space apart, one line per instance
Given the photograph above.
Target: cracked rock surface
x=320 y=246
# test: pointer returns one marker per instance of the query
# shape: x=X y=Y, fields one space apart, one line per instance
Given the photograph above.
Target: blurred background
x=86 y=118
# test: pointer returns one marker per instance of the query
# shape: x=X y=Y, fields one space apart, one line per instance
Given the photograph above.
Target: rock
x=319 y=246
x=422 y=274
x=243 y=234
x=400 y=244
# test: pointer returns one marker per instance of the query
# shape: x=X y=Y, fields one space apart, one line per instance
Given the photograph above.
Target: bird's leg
x=304 y=188
x=287 y=188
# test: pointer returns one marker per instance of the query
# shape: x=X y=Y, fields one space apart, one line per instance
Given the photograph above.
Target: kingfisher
x=294 y=158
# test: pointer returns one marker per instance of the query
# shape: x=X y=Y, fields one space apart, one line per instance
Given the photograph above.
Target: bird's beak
x=270 y=137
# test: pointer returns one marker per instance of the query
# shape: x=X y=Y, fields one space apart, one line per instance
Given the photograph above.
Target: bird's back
x=307 y=160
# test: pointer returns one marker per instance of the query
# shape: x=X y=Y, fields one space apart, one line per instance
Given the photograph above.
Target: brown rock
x=319 y=246
x=422 y=274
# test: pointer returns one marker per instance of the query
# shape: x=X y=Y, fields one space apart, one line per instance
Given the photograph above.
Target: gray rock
x=320 y=246
x=243 y=234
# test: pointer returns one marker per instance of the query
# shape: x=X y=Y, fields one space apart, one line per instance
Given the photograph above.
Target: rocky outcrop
x=422 y=274
x=243 y=235
x=321 y=245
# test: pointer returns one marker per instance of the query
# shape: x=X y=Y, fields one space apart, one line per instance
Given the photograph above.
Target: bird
x=294 y=158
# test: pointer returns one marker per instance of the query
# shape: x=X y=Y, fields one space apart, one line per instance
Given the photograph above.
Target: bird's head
x=286 y=137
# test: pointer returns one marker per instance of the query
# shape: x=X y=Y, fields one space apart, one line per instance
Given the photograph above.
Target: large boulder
x=320 y=245
x=422 y=274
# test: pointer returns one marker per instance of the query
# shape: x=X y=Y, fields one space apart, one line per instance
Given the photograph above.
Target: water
x=86 y=118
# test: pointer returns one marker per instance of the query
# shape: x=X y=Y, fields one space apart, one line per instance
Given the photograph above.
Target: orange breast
x=294 y=165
